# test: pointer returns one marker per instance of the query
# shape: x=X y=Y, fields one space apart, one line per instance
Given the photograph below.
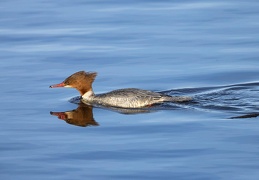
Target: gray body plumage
x=132 y=98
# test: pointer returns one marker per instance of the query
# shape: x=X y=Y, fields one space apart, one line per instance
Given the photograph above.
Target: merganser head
x=82 y=81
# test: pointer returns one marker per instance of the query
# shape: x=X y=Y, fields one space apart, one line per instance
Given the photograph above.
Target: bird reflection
x=82 y=116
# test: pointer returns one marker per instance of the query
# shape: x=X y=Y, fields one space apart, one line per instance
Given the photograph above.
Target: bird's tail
x=177 y=99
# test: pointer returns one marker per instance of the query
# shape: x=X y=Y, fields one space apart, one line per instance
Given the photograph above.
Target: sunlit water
x=206 y=50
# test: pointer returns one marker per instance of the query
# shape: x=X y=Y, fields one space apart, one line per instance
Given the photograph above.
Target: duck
x=121 y=98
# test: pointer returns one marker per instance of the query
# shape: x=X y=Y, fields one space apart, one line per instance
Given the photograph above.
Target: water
x=207 y=50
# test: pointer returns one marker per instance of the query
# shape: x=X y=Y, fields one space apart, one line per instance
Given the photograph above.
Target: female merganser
x=124 y=98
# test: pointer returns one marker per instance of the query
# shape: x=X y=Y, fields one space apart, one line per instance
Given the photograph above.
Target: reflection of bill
x=82 y=116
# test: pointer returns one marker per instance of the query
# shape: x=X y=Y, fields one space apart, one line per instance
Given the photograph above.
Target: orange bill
x=57 y=85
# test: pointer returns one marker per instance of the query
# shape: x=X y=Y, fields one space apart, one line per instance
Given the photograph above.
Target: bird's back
x=132 y=98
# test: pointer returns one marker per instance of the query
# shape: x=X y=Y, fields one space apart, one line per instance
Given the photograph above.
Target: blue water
x=205 y=49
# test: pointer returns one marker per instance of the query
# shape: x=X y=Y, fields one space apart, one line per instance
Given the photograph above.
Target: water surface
x=207 y=50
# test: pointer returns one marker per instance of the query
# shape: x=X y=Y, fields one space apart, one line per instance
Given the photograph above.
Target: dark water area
x=203 y=49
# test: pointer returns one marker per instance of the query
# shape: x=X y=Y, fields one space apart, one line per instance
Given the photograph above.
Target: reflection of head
x=82 y=116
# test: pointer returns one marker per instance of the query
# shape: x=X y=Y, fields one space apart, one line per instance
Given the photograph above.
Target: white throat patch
x=68 y=86
x=87 y=95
